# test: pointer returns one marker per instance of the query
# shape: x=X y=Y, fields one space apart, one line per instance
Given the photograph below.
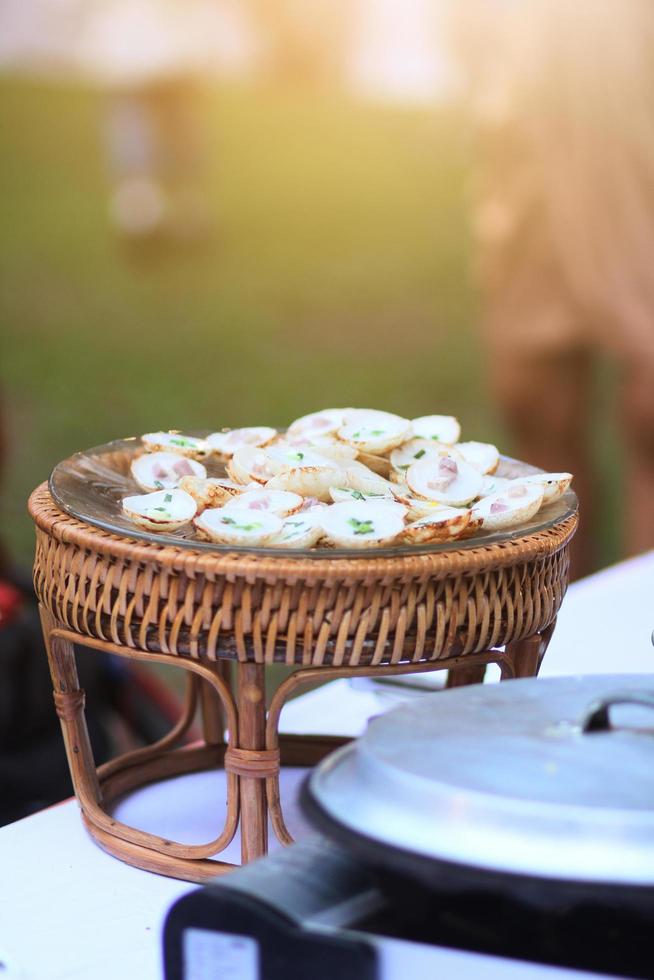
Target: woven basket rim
x=67 y=529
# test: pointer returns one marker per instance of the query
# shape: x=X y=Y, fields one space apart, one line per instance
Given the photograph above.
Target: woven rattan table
x=223 y=617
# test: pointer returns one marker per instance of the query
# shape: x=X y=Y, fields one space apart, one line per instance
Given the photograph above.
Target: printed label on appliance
x=205 y=951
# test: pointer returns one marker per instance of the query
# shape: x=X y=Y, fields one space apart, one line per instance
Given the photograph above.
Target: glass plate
x=91 y=485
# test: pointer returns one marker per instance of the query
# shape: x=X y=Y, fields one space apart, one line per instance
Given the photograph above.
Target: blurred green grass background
x=339 y=274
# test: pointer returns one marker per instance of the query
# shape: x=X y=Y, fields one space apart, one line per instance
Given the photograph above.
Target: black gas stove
x=484 y=832
x=313 y=912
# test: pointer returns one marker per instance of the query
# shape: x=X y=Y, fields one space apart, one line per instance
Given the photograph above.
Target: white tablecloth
x=68 y=910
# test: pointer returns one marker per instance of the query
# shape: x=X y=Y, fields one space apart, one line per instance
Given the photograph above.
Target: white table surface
x=68 y=910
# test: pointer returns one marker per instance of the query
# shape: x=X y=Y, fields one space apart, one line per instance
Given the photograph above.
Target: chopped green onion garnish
x=241 y=527
x=419 y=454
x=158 y=484
x=168 y=498
x=361 y=527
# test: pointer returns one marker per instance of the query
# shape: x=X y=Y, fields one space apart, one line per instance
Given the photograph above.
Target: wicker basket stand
x=223 y=617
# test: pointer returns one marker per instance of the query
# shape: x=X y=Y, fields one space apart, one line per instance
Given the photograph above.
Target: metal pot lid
x=552 y=778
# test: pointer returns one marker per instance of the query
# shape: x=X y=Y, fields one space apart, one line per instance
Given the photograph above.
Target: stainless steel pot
x=529 y=781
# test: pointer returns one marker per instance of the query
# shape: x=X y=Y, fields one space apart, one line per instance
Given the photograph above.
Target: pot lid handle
x=597 y=717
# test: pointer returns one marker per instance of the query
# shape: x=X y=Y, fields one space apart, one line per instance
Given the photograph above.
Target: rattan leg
x=69 y=701
x=526 y=656
x=137 y=769
x=252 y=739
x=461 y=676
x=147 y=859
